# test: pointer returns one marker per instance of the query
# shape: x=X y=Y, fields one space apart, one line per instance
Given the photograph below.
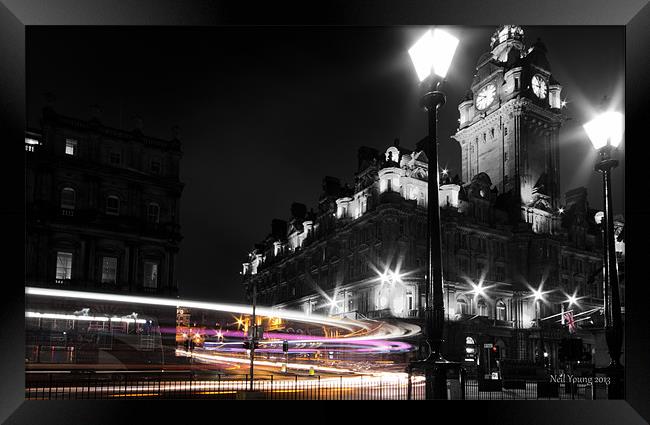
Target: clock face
x=539 y=86
x=486 y=96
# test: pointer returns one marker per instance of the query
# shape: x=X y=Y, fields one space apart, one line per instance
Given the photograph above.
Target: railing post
x=319 y=387
x=271 y=392
x=408 y=385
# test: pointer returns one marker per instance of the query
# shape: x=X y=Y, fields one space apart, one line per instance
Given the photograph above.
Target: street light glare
x=606 y=126
x=433 y=52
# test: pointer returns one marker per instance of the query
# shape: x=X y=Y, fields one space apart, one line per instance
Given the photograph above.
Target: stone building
x=103 y=216
x=506 y=231
x=102 y=207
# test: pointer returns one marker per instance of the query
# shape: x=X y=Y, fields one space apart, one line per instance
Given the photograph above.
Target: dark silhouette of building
x=102 y=216
x=102 y=207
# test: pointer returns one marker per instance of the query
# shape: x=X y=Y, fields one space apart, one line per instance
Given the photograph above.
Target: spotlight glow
x=433 y=52
x=607 y=126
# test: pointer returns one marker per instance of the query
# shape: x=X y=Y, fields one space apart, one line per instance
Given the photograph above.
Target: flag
x=568 y=317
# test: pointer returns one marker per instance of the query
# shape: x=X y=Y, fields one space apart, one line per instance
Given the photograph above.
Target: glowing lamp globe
x=433 y=53
x=605 y=128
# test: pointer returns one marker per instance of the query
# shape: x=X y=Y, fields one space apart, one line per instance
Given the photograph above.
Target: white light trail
x=378 y=329
x=37 y=315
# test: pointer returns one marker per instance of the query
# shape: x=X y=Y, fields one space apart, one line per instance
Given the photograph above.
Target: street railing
x=183 y=385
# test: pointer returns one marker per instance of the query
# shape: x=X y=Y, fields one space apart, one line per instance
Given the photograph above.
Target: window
x=153 y=212
x=150 y=274
x=68 y=198
x=63 y=265
x=155 y=166
x=115 y=158
x=501 y=311
x=480 y=270
x=481 y=308
x=461 y=306
x=500 y=274
x=70 y=147
x=109 y=270
x=113 y=205
x=516 y=83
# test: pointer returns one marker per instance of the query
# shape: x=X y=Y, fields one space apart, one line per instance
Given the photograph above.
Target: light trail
x=347 y=324
x=373 y=330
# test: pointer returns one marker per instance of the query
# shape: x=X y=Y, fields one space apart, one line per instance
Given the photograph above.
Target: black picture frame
x=15 y=15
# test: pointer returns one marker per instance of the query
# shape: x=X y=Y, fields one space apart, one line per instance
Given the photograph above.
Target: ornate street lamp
x=606 y=133
x=538 y=296
x=431 y=56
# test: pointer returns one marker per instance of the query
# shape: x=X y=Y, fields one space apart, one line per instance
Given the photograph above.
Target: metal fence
x=76 y=386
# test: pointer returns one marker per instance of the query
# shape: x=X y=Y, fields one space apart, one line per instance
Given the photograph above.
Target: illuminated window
x=63 y=265
x=109 y=269
x=153 y=212
x=501 y=310
x=481 y=308
x=150 y=274
x=461 y=306
x=112 y=205
x=70 y=147
x=68 y=198
x=30 y=144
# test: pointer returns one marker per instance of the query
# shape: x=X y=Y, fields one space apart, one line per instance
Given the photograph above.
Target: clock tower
x=509 y=126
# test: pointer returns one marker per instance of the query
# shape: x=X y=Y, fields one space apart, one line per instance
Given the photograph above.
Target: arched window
x=462 y=307
x=68 y=198
x=501 y=311
x=112 y=205
x=153 y=212
x=481 y=308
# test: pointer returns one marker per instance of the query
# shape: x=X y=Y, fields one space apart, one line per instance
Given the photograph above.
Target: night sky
x=266 y=112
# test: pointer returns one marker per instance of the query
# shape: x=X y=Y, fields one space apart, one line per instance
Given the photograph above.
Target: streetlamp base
x=436 y=371
x=616 y=387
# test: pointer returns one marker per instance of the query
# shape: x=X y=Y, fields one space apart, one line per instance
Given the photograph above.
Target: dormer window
x=70 y=147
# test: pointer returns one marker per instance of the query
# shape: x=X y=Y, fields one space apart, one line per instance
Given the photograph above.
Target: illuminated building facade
x=505 y=231
x=102 y=207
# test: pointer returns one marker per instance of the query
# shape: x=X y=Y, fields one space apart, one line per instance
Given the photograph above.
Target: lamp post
x=253 y=338
x=605 y=133
x=431 y=56
x=538 y=295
